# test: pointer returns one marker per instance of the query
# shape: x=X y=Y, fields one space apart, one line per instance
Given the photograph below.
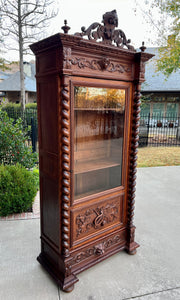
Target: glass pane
x=98 y=139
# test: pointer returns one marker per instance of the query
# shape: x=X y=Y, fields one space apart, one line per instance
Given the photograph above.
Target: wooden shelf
x=98 y=109
x=93 y=165
x=95 y=191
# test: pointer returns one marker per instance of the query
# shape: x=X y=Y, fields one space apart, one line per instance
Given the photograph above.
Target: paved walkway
x=152 y=274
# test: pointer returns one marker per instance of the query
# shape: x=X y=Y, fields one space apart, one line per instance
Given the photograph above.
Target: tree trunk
x=22 y=83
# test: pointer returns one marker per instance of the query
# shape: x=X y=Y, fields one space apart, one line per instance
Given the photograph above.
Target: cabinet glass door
x=98 y=139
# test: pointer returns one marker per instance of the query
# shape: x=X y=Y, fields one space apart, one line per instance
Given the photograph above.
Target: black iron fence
x=159 y=130
x=154 y=130
x=30 y=124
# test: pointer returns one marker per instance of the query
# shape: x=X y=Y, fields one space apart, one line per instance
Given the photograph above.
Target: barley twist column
x=131 y=245
x=65 y=150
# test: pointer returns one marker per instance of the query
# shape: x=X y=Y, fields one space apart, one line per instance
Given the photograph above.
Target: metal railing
x=30 y=123
x=159 y=130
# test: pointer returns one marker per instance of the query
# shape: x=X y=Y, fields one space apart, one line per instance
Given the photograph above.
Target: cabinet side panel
x=50 y=210
x=48 y=101
x=48 y=115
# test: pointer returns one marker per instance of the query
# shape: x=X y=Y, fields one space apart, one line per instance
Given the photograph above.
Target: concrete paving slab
x=156 y=266
x=152 y=274
x=21 y=276
x=173 y=294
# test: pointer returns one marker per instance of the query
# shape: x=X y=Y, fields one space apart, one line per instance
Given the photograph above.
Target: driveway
x=152 y=274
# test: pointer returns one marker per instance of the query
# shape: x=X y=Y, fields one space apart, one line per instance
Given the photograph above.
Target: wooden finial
x=65 y=28
x=143 y=48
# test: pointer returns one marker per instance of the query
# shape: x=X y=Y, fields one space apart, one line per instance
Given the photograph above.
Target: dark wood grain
x=87 y=153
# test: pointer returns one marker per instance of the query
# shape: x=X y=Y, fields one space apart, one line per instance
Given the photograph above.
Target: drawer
x=86 y=256
x=94 y=219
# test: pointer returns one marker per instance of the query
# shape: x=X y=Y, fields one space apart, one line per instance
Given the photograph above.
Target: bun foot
x=68 y=289
x=132 y=252
x=131 y=248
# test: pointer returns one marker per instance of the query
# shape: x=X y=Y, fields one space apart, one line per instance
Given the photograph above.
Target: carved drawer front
x=98 y=249
x=96 y=218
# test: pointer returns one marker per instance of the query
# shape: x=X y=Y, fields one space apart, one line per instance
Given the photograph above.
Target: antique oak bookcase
x=88 y=96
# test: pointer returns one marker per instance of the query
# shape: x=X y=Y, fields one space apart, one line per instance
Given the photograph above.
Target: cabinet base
x=131 y=248
x=66 y=284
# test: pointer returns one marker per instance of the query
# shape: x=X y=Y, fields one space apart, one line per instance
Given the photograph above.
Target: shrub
x=36 y=176
x=17 y=106
x=31 y=105
x=18 y=188
x=13 y=147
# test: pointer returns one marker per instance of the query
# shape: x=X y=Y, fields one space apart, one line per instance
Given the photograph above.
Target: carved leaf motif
x=88 y=31
x=84 y=63
x=103 y=64
x=93 y=250
x=118 y=68
x=96 y=218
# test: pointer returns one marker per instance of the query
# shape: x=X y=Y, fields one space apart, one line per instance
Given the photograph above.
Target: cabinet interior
x=98 y=139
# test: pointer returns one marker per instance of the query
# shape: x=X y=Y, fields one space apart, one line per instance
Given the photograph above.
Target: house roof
x=12 y=81
x=156 y=81
x=4 y=75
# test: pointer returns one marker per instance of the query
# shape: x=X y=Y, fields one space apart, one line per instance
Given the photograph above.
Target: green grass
x=158 y=156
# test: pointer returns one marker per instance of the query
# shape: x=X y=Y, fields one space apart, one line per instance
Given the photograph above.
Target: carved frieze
x=103 y=64
x=83 y=63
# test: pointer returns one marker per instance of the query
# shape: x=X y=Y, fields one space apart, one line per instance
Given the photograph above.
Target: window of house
x=145 y=108
x=158 y=108
x=172 y=109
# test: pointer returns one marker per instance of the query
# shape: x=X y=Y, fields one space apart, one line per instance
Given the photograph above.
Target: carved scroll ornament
x=104 y=64
x=107 y=32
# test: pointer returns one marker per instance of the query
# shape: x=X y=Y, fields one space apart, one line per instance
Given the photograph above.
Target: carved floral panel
x=96 y=217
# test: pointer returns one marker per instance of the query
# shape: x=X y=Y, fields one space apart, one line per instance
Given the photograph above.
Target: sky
x=85 y=12
x=80 y=13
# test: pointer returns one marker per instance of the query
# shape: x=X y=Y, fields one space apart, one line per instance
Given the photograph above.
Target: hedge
x=18 y=187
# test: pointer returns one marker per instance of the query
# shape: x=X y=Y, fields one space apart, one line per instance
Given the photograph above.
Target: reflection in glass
x=98 y=139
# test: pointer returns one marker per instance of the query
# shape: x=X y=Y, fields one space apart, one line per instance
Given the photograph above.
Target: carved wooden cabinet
x=88 y=113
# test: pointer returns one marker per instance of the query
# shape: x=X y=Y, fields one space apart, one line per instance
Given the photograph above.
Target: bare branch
x=22 y=21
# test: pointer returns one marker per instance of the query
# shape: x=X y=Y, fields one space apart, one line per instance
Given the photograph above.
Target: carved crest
x=107 y=32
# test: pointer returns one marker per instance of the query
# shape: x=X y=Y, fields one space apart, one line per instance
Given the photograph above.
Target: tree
x=164 y=15
x=23 y=20
x=2 y=60
x=170 y=54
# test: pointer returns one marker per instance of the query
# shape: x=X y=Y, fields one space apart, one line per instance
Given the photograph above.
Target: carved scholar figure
x=107 y=32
